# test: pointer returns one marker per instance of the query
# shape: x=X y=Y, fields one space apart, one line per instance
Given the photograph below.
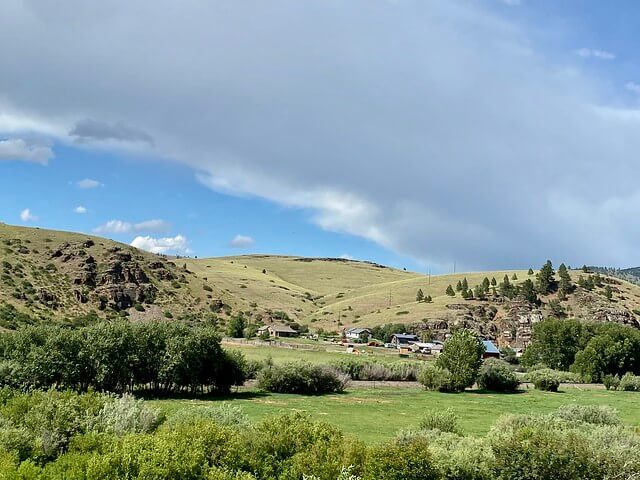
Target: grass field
x=324 y=353
x=376 y=414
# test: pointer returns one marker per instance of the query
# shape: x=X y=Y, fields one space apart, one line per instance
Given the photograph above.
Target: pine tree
x=506 y=289
x=546 y=280
x=428 y=299
x=514 y=277
x=608 y=292
x=469 y=294
x=465 y=284
x=478 y=292
x=530 y=272
x=493 y=281
x=450 y=291
x=564 y=284
x=465 y=294
x=528 y=291
x=585 y=269
x=459 y=286
x=485 y=285
x=419 y=295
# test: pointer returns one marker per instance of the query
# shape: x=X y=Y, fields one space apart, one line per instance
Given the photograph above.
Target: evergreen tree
x=428 y=299
x=450 y=291
x=528 y=291
x=546 y=280
x=564 y=284
x=459 y=286
x=469 y=294
x=485 y=285
x=465 y=284
x=608 y=292
x=479 y=292
x=493 y=281
x=465 y=294
x=530 y=272
x=419 y=295
x=506 y=289
x=585 y=269
x=514 y=277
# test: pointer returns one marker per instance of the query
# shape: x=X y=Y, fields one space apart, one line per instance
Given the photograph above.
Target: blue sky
x=490 y=134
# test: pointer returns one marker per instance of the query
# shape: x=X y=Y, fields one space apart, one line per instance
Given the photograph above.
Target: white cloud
x=633 y=87
x=27 y=216
x=155 y=225
x=119 y=226
x=595 y=53
x=80 y=209
x=114 y=226
x=88 y=183
x=480 y=148
x=241 y=241
x=166 y=245
x=19 y=149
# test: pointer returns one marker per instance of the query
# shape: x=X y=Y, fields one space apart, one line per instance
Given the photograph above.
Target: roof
x=282 y=328
x=490 y=347
x=404 y=336
x=358 y=331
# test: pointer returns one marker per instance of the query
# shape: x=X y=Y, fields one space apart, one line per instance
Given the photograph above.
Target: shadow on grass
x=239 y=395
x=494 y=392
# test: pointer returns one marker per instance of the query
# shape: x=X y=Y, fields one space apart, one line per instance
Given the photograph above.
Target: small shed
x=490 y=350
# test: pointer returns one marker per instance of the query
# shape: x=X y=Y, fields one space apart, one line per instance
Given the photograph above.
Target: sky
x=427 y=135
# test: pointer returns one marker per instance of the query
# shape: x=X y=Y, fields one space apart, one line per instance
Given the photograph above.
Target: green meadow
x=376 y=414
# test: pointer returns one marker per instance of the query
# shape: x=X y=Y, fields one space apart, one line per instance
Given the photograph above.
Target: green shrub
x=591 y=414
x=225 y=414
x=443 y=420
x=376 y=371
x=611 y=382
x=496 y=375
x=410 y=461
x=127 y=415
x=629 y=383
x=437 y=378
x=301 y=377
x=546 y=380
x=461 y=458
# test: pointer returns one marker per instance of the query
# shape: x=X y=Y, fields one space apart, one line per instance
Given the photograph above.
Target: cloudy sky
x=418 y=133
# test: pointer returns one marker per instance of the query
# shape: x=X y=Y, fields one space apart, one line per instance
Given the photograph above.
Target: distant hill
x=629 y=274
x=58 y=275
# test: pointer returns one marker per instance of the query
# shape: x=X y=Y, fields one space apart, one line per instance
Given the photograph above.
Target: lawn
x=375 y=414
x=324 y=354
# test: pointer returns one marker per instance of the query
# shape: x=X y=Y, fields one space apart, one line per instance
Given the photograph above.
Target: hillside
x=53 y=274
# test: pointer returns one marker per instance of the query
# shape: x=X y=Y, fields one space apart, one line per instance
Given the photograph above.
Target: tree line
x=161 y=357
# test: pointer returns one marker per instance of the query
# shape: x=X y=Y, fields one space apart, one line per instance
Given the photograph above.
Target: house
x=403 y=340
x=490 y=350
x=428 y=348
x=278 y=331
x=356 y=334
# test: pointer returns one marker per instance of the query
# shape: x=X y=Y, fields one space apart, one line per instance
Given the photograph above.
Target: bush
x=496 y=375
x=546 y=380
x=301 y=377
x=126 y=415
x=611 y=382
x=591 y=414
x=224 y=414
x=443 y=420
x=437 y=378
x=629 y=383
x=402 y=371
x=401 y=462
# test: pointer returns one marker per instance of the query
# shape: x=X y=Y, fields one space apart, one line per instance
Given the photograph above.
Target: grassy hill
x=59 y=274
x=53 y=274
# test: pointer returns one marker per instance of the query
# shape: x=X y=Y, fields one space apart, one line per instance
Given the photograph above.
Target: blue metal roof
x=490 y=347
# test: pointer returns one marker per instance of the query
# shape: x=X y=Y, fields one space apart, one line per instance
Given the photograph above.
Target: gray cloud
x=452 y=138
x=19 y=149
x=89 y=130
